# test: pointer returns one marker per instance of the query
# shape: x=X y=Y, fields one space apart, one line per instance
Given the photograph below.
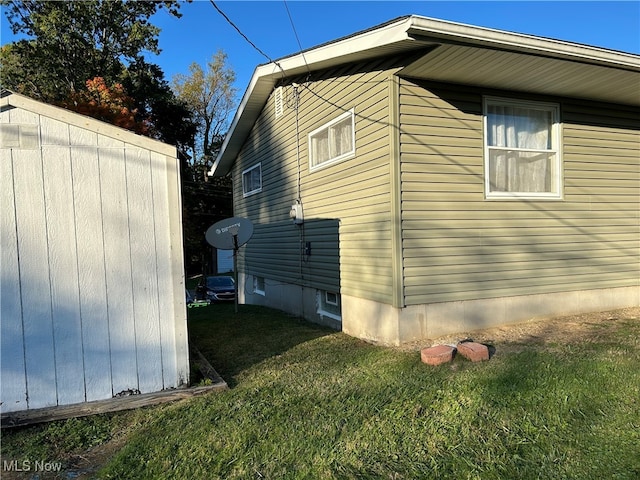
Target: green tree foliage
x=211 y=97
x=71 y=42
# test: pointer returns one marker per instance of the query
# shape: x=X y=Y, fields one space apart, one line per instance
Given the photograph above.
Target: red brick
x=473 y=351
x=437 y=355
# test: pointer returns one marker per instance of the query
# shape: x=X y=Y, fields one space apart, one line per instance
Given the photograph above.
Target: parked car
x=217 y=289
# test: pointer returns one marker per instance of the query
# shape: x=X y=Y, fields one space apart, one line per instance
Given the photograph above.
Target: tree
x=72 y=42
x=76 y=41
x=211 y=97
x=170 y=119
x=110 y=104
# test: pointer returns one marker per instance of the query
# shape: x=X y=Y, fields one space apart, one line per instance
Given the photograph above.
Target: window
x=252 y=180
x=331 y=298
x=329 y=305
x=332 y=142
x=258 y=286
x=522 y=155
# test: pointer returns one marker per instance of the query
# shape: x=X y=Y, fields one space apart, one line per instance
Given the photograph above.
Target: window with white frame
x=522 y=149
x=333 y=142
x=329 y=304
x=252 y=180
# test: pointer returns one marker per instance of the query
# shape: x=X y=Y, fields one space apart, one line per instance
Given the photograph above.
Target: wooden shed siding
x=346 y=205
x=89 y=310
x=459 y=246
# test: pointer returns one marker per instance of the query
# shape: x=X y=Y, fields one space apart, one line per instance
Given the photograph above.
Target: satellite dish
x=221 y=234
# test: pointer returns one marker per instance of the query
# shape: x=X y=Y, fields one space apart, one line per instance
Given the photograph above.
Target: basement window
x=333 y=142
x=258 y=286
x=252 y=180
x=329 y=305
x=522 y=149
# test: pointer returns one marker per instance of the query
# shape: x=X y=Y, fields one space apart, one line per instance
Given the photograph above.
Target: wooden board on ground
x=127 y=402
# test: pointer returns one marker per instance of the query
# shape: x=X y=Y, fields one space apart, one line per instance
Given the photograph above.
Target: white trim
x=257 y=190
x=554 y=108
x=88 y=123
x=329 y=302
x=327 y=126
x=324 y=313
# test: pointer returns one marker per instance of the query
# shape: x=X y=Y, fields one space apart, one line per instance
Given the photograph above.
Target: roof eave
x=353 y=48
x=402 y=35
x=451 y=32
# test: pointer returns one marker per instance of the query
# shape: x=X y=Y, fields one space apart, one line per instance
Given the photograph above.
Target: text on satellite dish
x=226 y=229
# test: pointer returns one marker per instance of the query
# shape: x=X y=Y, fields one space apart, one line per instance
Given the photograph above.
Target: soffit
x=492 y=68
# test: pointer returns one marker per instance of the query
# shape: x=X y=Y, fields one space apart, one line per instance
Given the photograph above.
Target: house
x=93 y=296
x=425 y=177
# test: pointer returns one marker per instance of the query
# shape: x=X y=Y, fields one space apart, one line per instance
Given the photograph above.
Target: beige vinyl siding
x=459 y=246
x=346 y=205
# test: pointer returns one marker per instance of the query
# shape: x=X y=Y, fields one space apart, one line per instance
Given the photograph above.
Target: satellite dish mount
x=230 y=234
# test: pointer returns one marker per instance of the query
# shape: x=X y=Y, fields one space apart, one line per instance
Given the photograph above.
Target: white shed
x=92 y=290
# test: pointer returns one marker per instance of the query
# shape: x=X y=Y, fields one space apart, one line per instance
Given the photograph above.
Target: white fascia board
x=461 y=33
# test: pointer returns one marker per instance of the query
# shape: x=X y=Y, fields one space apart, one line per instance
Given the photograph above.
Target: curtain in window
x=342 y=138
x=252 y=180
x=320 y=146
x=517 y=131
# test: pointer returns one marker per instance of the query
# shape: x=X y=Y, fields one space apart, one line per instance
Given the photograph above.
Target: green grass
x=310 y=403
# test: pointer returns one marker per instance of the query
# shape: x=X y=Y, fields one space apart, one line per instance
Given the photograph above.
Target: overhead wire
x=230 y=22
x=295 y=32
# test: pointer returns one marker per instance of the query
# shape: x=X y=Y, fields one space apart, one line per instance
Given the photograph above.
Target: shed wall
x=92 y=281
x=459 y=246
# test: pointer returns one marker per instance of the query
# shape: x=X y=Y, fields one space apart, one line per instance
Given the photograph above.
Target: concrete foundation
x=388 y=325
x=293 y=299
x=382 y=323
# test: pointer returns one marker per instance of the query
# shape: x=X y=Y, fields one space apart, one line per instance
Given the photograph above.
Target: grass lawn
x=311 y=403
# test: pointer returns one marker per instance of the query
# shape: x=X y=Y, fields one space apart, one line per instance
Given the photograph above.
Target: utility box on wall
x=93 y=298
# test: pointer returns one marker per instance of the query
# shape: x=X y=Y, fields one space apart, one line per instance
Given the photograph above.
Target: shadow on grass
x=235 y=342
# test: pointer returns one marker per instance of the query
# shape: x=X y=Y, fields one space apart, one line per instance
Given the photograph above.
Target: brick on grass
x=437 y=355
x=473 y=351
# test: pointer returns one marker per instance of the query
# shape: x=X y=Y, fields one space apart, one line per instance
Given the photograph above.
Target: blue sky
x=202 y=30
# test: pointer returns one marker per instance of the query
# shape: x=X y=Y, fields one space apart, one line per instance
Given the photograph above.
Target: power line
x=295 y=32
x=245 y=37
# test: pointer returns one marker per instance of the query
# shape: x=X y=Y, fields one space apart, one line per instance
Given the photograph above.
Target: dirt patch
x=85 y=466
x=586 y=327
